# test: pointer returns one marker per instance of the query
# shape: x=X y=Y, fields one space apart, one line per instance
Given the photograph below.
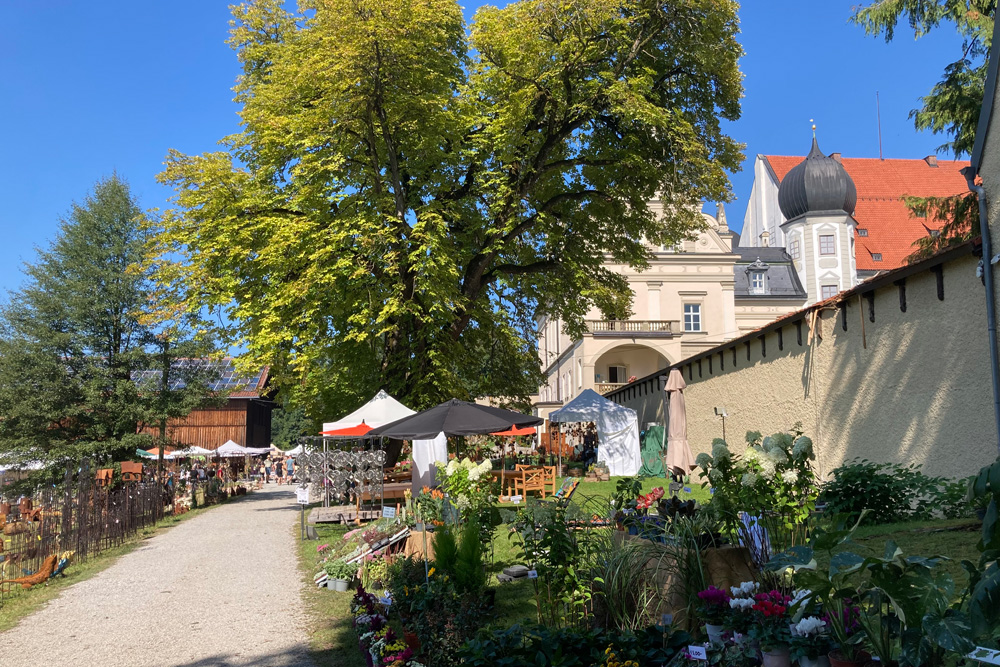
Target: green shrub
x=892 y=493
x=529 y=646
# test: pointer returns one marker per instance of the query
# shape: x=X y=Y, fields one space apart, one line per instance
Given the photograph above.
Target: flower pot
x=411 y=640
x=777 y=657
x=837 y=660
x=714 y=633
x=339 y=585
x=821 y=661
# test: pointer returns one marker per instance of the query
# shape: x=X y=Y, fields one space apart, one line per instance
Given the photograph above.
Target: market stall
x=617 y=430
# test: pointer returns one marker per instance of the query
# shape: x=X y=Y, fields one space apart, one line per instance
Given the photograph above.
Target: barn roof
x=227 y=378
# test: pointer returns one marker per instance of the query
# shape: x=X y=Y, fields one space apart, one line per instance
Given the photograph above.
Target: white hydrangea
x=767 y=468
x=714 y=475
x=452 y=468
x=485 y=467
x=462 y=503
x=751 y=454
x=475 y=474
x=767 y=443
x=703 y=460
x=749 y=479
x=802 y=448
x=720 y=452
x=778 y=455
x=789 y=477
x=809 y=626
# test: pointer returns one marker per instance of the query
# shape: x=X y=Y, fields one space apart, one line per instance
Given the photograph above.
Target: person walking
x=279 y=472
x=290 y=469
x=267 y=473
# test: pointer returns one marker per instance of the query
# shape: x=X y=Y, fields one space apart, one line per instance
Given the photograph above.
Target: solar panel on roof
x=226 y=376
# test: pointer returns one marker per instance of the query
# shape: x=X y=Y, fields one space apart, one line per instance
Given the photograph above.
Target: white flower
x=749 y=479
x=742 y=604
x=452 y=468
x=751 y=454
x=720 y=452
x=802 y=448
x=485 y=467
x=745 y=589
x=777 y=454
x=475 y=474
x=799 y=595
x=714 y=475
x=789 y=477
x=767 y=468
x=462 y=503
x=703 y=460
x=809 y=627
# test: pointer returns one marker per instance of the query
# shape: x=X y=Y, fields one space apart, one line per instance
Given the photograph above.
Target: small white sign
x=532 y=574
x=388 y=512
x=666 y=620
x=698 y=652
x=386 y=602
x=302 y=496
x=516 y=500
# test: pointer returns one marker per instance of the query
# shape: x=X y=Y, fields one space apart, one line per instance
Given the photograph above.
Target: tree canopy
x=952 y=106
x=407 y=191
x=76 y=339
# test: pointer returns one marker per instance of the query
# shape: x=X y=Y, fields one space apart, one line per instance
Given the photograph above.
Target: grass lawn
x=332 y=640
x=24 y=602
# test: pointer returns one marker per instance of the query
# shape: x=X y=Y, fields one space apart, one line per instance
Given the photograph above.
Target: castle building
x=814 y=226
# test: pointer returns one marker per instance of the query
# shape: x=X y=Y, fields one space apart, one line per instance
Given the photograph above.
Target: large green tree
x=77 y=341
x=952 y=106
x=407 y=191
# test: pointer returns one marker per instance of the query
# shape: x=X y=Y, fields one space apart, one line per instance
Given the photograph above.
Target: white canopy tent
x=383 y=409
x=232 y=449
x=189 y=451
x=617 y=430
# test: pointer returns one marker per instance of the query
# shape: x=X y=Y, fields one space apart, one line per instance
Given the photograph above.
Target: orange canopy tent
x=360 y=429
x=514 y=430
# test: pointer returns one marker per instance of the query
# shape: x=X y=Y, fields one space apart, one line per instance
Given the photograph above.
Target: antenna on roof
x=878 y=114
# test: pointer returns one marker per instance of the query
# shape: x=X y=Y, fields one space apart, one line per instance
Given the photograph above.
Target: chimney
x=931 y=160
x=835 y=156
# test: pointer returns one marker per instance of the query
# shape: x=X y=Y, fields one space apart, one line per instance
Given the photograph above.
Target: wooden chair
x=550 y=479
x=529 y=478
x=131 y=471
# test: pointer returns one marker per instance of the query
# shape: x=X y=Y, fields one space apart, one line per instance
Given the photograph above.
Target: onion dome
x=817 y=184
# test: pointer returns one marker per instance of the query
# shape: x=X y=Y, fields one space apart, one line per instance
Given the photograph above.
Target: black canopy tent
x=454 y=418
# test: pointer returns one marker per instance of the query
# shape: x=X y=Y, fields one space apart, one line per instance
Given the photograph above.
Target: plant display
x=430 y=506
x=741 y=602
x=770 y=627
x=809 y=638
x=560 y=556
x=340 y=569
x=772 y=482
x=887 y=493
x=374 y=568
x=713 y=606
x=530 y=646
x=625 y=594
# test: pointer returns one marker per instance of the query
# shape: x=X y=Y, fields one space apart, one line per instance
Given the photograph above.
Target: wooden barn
x=244 y=417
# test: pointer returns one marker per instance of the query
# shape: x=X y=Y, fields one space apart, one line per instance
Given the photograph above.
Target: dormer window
x=862 y=232
x=877 y=256
x=757 y=277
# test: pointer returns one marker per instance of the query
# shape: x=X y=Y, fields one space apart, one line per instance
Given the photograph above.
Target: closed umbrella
x=680 y=460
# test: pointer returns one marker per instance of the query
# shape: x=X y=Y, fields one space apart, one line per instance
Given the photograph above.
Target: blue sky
x=95 y=87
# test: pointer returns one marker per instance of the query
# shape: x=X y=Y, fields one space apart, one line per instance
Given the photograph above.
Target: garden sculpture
x=43 y=574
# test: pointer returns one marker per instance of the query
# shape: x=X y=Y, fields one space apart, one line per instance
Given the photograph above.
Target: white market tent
x=617 y=430
x=189 y=451
x=383 y=409
x=232 y=449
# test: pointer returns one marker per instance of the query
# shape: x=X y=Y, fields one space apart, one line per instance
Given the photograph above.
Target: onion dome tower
x=817 y=198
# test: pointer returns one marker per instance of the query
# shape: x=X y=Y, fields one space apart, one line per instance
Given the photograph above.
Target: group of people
x=281 y=469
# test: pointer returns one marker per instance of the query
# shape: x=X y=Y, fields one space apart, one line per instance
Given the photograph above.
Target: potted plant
x=770 y=628
x=340 y=573
x=810 y=642
x=713 y=609
x=741 y=601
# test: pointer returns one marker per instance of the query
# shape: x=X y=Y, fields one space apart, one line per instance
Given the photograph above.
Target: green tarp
x=652 y=453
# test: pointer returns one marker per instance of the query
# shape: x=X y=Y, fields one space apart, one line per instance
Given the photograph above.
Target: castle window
x=862 y=232
x=793 y=249
x=827 y=291
x=827 y=244
x=758 y=282
x=692 y=317
x=877 y=256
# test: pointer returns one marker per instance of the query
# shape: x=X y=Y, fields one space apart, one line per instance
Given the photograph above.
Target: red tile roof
x=881 y=184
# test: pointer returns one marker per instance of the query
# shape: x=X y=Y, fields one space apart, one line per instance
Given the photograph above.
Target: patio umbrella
x=512 y=431
x=454 y=418
x=359 y=430
x=680 y=460
x=144 y=454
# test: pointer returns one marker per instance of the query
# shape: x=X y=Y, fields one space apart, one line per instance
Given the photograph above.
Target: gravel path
x=222 y=589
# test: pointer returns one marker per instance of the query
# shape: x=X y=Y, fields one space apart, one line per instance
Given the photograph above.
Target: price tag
x=388 y=512
x=516 y=500
x=697 y=652
x=532 y=574
x=302 y=496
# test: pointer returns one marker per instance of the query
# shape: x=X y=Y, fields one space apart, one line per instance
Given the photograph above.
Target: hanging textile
x=652 y=452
